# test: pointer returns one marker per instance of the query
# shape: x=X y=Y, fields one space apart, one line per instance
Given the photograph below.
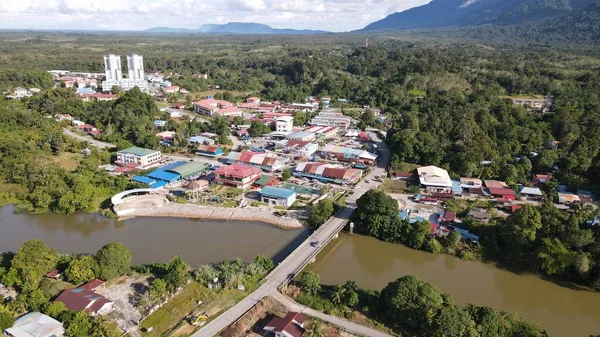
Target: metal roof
x=277 y=192
x=531 y=191
x=138 y=151
x=158 y=184
x=143 y=180
x=189 y=169
x=164 y=175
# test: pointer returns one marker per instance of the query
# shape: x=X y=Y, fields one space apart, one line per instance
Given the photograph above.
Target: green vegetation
x=114 y=260
x=320 y=212
x=410 y=306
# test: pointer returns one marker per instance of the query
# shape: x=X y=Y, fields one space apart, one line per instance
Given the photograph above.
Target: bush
x=433 y=246
x=467 y=255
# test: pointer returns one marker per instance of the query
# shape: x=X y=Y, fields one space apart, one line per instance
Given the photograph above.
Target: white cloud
x=333 y=15
x=468 y=3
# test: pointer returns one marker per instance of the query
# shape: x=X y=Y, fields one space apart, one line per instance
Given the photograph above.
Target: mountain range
x=463 y=13
x=237 y=28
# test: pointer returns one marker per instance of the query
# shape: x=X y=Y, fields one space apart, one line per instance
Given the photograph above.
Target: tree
x=314 y=329
x=35 y=299
x=258 y=129
x=338 y=294
x=55 y=309
x=6 y=320
x=376 y=215
x=82 y=269
x=80 y=325
x=158 y=288
x=320 y=212
x=555 y=257
x=416 y=235
x=488 y=321
x=286 y=174
x=265 y=262
x=310 y=282
x=519 y=231
x=409 y=301
x=114 y=260
x=33 y=260
x=176 y=273
x=452 y=239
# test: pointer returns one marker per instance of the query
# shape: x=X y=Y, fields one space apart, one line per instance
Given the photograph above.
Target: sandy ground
x=122 y=292
x=154 y=205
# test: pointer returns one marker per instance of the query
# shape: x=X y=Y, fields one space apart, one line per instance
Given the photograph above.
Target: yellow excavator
x=198 y=319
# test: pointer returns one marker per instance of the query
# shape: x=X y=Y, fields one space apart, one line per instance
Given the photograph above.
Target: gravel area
x=122 y=292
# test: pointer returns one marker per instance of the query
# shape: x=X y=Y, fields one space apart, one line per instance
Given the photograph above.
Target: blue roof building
x=143 y=180
x=456 y=187
x=164 y=176
x=277 y=196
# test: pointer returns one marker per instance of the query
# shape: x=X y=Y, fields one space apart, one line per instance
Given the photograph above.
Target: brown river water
x=372 y=264
x=563 y=311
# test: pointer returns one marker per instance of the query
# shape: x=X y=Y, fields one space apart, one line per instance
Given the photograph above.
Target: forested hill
x=461 y=13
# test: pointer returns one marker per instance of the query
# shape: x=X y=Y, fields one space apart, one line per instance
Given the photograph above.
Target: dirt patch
x=123 y=291
x=253 y=322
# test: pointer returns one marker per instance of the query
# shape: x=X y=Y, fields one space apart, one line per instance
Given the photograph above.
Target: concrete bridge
x=293 y=264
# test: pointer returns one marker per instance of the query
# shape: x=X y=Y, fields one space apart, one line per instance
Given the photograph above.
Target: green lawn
x=394 y=186
x=170 y=314
x=68 y=160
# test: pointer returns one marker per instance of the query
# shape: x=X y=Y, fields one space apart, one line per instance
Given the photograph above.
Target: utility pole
x=351 y=228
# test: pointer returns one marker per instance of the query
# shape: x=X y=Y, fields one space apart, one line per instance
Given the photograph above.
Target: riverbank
x=190 y=211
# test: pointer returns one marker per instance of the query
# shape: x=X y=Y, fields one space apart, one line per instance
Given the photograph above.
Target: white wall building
x=114 y=73
x=434 y=179
x=138 y=155
x=284 y=124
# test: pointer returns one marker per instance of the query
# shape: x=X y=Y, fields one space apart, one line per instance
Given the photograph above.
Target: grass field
x=68 y=160
x=394 y=186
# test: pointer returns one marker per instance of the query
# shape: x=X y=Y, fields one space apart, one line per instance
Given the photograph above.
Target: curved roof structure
x=189 y=169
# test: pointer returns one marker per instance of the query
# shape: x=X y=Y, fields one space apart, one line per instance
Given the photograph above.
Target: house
x=160 y=123
x=166 y=136
x=277 y=196
x=541 y=178
x=98 y=97
x=292 y=325
x=140 y=156
x=331 y=118
x=253 y=100
x=237 y=175
x=62 y=117
x=434 y=179
x=35 y=324
x=531 y=193
x=479 y=214
x=585 y=196
x=178 y=106
x=447 y=217
x=347 y=154
x=471 y=185
x=328 y=172
x=209 y=150
x=85 y=298
x=566 y=198
x=214 y=107
x=397 y=175
x=503 y=193
x=266 y=180
x=303 y=136
x=171 y=89
x=323 y=131
x=535 y=102
x=264 y=161
x=284 y=124
x=198 y=185
x=20 y=92
x=301 y=148
x=200 y=140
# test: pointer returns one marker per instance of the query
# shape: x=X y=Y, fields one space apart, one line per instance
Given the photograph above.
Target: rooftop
x=277 y=192
x=189 y=169
x=35 y=324
x=434 y=176
x=138 y=151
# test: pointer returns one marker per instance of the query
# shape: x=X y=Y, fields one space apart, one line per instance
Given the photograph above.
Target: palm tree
x=314 y=329
x=338 y=294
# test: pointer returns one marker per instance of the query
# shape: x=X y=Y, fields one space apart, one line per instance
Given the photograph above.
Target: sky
x=331 y=15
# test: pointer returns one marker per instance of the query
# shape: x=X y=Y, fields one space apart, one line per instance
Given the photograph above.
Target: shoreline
x=191 y=211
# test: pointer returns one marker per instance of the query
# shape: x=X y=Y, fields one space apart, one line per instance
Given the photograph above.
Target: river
x=562 y=311
x=150 y=239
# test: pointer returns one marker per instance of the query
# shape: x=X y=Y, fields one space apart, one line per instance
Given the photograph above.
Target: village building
x=399 y=175
x=323 y=131
x=264 y=161
x=237 y=175
x=214 y=107
x=301 y=148
x=212 y=151
x=566 y=198
x=328 y=172
x=292 y=325
x=480 y=214
x=500 y=190
x=85 y=298
x=302 y=136
x=98 y=97
x=471 y=185
x=201 y=140
x=166 y=136
x=532 y=193
x=331 y=118
x=434 y=179
x=140 y=156
x=347 y=154
x=277 y=196
x=266 y=180
x=171 y=89
x=35 y=324
x=539 y=179
x=284 y=124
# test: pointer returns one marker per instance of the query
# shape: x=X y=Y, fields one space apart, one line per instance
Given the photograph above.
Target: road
x=87 y=139
x=298 y=259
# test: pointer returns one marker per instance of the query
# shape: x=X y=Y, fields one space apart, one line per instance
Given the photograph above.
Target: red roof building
x=55 y=274
x=237 y=175
x=448 y=217
x=503 y=193
x=292 y=325
x=85 y=298
x=541 y=178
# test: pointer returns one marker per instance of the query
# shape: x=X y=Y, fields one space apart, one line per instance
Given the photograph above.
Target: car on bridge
x=316 y=243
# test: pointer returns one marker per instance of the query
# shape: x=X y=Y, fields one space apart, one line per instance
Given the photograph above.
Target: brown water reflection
x=562 y=311
x=150 y=239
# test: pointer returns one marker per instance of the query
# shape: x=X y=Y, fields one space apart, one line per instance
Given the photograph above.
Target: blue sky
x=332 y=15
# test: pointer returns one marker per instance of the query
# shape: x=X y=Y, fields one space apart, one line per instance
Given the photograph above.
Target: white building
x=277 y=196
x=434 y=179
x=331 y=118
x=140 y=156
x=35 y=324
x=284 y=124
x=114 y=73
